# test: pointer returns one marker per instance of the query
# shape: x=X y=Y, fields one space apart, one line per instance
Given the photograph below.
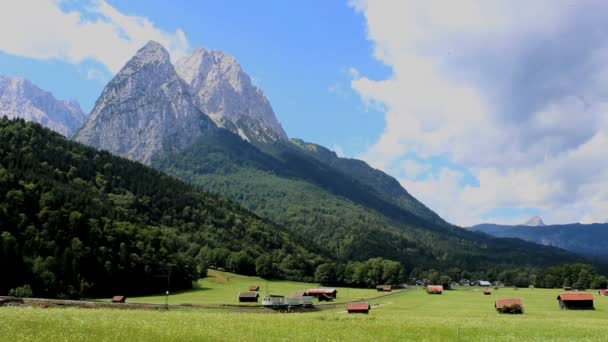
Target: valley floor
x=463 y=314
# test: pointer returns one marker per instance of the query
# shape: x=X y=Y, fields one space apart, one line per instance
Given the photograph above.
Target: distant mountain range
x=587 y=239
x=204 y=122
x=20 y=98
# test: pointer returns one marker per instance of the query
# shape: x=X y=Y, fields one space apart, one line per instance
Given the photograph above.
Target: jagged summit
x=20 y=98
x=222 y=90
x=535 y=221
x=145 y=109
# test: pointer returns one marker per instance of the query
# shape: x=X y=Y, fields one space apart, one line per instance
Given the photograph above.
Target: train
x=287 y=301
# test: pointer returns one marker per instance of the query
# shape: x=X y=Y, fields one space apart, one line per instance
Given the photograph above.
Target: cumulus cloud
x=516 y=93
x=40 y=29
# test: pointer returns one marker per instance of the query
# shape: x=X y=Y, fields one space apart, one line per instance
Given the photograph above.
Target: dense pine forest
x=75 y=221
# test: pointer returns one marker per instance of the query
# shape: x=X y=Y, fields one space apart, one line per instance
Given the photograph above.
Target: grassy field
x=465 y=315
x=222 y=288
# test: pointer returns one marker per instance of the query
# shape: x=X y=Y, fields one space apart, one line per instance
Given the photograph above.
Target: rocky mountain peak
x=146 y=109
x=20 y=98
x=535 y=221
x=226 y=93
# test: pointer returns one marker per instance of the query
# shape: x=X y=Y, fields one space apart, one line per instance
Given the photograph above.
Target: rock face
x=535 y=221
x=222 y=90
x=20 y=98
x=144 y=110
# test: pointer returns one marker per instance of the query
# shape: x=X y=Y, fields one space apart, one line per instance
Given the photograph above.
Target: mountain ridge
x=20 y=98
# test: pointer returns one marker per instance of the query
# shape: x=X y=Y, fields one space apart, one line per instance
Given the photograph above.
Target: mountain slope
x=586 y=239
x=223 y=91
x=337 y=212
x=20 y=98
x=145 y=109
x=77 y=221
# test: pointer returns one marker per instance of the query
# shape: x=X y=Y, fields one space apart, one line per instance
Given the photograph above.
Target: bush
x=24 y=291
x=512 y=309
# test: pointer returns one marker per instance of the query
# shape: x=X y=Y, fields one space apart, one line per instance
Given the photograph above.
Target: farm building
x=325 y=293
x=509 y=305
x=487 y=292
x=384 y=288
x=248 y=297
x=362 y=307
x=299 y=294
x=434 y=289
x=576 y=301
x=567 y=288
x=603 y=292
x=119 y=299
x=254 y=288
x=485 y=283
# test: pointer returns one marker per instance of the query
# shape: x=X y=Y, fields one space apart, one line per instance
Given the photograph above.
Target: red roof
x=487 y=291
x=603 y=291
x=384 y=287
x=575 y=296
x=320 y=291
x=254 y=288
x=434 y=288
x=361 y=306
x=501 y=303
x=298 y=294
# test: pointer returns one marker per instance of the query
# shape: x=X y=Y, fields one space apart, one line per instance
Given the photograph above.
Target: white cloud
x=515 y=93
x=40 y=29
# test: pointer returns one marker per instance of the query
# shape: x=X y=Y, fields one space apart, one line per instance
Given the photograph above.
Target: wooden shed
x=360 y=307
x=119 y=299
x=434 y=289
x=603 y=292
x=327 y=293
x=509 y=305
x=254 y=288
x=248 y=297
x=384 y=288
x=299 y=294
x=576 y=301
x=487 y=292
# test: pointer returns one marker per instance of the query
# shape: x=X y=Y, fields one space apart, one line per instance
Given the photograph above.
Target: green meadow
x=413 y=315
x=221 y=288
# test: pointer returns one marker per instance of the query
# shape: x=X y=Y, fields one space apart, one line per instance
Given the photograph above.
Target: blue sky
x=484 y=110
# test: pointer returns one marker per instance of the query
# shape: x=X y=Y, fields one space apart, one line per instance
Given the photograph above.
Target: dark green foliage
x=511 y=309
x=577 y=276
x=75 y=221
x=342 y=207
x=24 y=291
x=361 y=274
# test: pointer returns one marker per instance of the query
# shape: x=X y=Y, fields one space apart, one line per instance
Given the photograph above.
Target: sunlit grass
x=464 y=314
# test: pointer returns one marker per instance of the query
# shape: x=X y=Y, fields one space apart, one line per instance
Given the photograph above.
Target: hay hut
x=248 y=297
x=487 y=292
x=318 y=293
x=434 y=289
x=384 y=288
x=362 y=308
x=119 y=299
x=509 y=305
x=576 y=301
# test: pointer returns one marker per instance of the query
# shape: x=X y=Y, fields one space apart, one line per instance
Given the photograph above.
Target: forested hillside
x=341 y=212
x=76 y=221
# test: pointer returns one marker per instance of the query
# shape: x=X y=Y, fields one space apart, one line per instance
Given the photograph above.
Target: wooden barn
x=509 y=305
x=487 y=292
x=119 y=299
x=323 y=294
x=299 y=294
x=434 y=289
x=248 y=297
x=254 y=288
x=576 y=301
x=361 y=307
x=603 y=292
x=384 y=288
